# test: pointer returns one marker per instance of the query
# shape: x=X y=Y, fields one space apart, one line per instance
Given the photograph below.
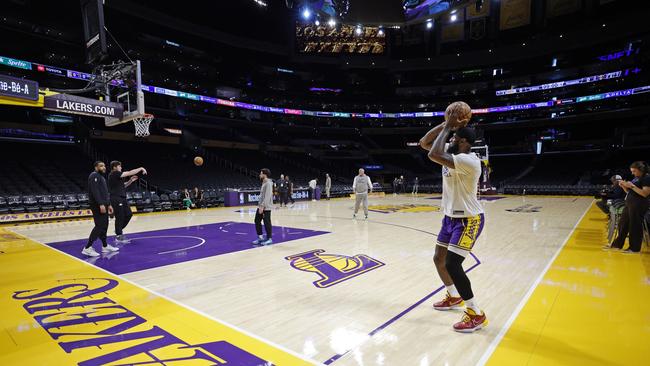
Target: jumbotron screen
x=325 y=39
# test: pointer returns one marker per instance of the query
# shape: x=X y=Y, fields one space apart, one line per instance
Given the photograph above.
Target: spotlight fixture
x=358 y=30
x=306 y=13
x=380 y=32
x=453 y=17
x=317 y=22
x=429 y=24
x=331 y=23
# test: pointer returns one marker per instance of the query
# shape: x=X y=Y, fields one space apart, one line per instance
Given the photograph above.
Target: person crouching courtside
x=264 y=209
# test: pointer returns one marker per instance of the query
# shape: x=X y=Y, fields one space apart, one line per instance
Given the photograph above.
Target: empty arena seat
x=155 y=202
x=4 y=208
x=15 y=204
x=72 y=202
x=83 y=200
x=58 y=200
x=31 y=203
x=45 y=201
x=147 y=204
x=176 y=201
x=165 y=202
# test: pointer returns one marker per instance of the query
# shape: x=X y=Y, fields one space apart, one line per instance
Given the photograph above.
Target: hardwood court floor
x=350 y=292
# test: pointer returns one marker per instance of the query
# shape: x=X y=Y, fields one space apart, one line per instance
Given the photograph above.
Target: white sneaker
x=90 y=252
x=109 y=248
x=121 y=239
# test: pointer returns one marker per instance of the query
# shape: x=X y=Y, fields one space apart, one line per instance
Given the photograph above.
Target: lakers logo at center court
x=332 y=268
x=404 y=208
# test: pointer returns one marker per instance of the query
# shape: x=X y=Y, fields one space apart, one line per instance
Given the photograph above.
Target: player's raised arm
x=438 y=153
x=426 y=142
x=132 y=172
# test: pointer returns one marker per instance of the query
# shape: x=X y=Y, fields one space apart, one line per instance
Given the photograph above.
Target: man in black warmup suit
x=117 y=189
x=100 y=205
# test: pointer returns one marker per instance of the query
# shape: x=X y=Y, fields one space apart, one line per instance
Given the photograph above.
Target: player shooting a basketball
x=464 y=216
x=117 y=188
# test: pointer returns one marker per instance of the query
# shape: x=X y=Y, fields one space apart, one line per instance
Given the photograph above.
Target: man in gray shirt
x=361 y=186
x=264 y=208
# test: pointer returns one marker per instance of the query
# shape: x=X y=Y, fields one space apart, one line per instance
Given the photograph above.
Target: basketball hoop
x=142 y=125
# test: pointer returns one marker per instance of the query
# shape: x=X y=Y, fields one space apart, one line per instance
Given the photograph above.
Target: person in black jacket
x=100 y=205
x=290 y=189
x=283 y=189
x=615 y=193
x=117 y=189
x=636 y=206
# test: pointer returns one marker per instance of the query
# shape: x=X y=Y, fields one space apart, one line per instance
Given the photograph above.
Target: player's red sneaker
x=449 y=303
x=471 y=322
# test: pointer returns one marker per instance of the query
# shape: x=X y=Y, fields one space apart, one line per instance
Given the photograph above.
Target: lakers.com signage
x=79 y=105
x=37 y=216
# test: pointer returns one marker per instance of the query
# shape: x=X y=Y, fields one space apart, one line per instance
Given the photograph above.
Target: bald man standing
x=361 y=186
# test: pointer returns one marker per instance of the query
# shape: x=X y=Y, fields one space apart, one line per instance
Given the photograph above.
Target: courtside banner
x=50 y=215
x=79 y=105
x=37 y=216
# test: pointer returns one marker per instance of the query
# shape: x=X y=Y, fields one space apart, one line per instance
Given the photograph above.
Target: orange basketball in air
x=198 y=161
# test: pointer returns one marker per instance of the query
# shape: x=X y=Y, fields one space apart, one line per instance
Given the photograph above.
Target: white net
x=142 y=125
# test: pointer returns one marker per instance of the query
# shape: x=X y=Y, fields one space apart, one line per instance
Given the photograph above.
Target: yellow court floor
x=191 y=290
x=590 y=308
x=57 y=310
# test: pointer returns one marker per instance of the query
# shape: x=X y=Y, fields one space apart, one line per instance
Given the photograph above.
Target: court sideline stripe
x=493 y=345
x=279 y=347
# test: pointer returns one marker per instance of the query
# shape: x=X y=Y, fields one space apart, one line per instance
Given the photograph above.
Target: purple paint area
x=152 y=249
x=404 y=312
x=482 y=198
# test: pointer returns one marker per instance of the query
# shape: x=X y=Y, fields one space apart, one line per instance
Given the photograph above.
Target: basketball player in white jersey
x=464 y=217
